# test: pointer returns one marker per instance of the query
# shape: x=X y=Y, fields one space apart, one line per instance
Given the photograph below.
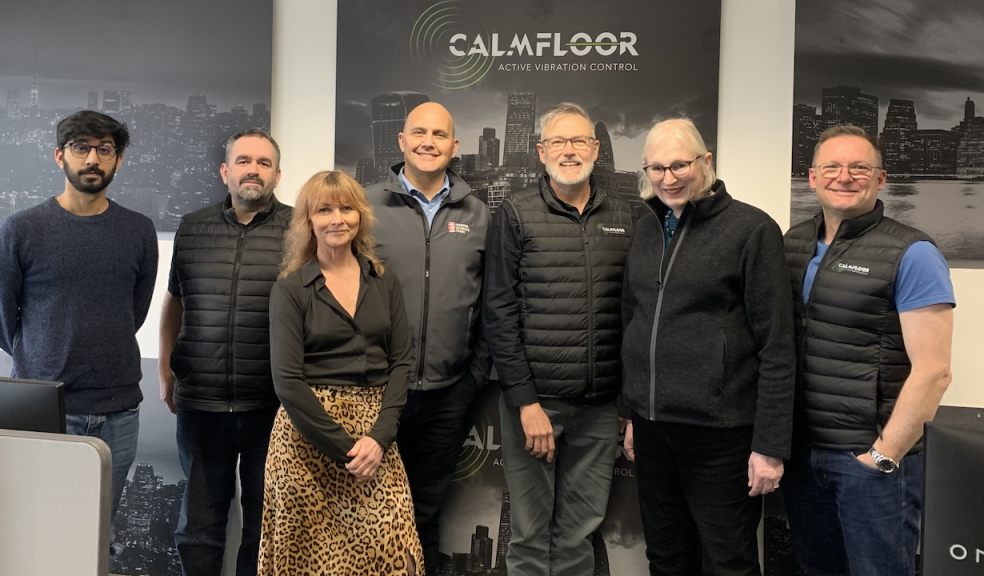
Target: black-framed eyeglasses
x=81 y=150
x=578 y=143
x=857 y=170
x=680 y=168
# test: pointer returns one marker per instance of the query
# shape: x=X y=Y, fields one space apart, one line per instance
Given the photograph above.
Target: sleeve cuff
x=520 y=395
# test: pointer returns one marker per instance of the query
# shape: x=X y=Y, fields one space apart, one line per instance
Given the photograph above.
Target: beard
x=257 y=195
x=90 y=186
x=553 y=170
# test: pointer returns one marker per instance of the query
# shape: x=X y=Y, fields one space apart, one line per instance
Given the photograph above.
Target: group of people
x=332 y=352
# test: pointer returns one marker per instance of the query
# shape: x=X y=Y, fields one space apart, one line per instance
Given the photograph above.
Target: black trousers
x=432 y=431
x=697 y=516
x=210 y=444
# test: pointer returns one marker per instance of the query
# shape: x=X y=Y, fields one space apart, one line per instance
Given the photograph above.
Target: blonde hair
x=300 y=245
x=685 y=131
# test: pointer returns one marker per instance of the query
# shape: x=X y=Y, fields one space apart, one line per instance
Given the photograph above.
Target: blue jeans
x=119 y=430
x=209 y=446
x=850 y=519
x=556 y=507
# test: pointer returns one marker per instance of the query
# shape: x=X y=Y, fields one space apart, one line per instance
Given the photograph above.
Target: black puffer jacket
x=553 y=285
x=223 y=272
x=853 y=361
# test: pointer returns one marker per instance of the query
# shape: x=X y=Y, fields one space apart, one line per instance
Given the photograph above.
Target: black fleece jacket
x=708 y=322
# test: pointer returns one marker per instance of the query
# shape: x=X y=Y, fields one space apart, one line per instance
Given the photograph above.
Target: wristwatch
x=884 y=463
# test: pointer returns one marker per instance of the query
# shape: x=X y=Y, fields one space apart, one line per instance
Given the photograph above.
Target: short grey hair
x=562 y=109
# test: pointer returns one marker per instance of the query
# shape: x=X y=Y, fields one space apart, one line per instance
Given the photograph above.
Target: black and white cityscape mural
x=911 y=73
x=183 y=75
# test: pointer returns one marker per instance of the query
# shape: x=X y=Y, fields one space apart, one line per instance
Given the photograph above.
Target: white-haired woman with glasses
x=708 y=361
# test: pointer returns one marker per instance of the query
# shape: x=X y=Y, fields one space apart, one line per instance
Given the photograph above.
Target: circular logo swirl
x=429 y=41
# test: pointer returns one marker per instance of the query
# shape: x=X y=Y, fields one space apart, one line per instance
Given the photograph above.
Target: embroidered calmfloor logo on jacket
x=855 y=268
x=612 y=230
x=458 y=228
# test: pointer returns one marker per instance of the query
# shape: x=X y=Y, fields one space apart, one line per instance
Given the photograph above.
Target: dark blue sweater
x=73 y=292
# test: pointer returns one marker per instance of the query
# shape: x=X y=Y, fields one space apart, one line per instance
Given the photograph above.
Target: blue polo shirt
x=923 y=278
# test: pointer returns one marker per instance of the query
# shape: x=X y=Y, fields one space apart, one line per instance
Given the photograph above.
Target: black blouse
x=315 y=342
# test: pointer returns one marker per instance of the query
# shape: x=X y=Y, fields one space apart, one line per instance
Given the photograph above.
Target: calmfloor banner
x=497 y=66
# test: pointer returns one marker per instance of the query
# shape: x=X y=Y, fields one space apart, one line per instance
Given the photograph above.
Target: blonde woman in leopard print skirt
x=336 y=496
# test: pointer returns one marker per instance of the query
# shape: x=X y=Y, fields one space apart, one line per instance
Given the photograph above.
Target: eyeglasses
x=81 y=150
x=578 y=143
x=680 y=168
x=857 y=170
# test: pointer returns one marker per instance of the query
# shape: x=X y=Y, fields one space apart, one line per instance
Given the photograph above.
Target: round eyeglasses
x=680 y=168
x=81 y=150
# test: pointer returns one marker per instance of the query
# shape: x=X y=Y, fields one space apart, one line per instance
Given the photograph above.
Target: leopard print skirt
x=317 y=520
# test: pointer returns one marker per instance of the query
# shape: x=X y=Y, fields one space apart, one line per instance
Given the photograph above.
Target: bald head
x=428 y=143
x=429 y=113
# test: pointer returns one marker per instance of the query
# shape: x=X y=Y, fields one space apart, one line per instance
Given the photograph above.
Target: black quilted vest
x=571 y=286
x=852 y=360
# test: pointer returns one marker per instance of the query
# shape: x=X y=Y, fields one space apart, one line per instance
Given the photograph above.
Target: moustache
x=93 y=170
x=253 y=179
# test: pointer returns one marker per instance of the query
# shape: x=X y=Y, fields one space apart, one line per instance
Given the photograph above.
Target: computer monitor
x=32 y=405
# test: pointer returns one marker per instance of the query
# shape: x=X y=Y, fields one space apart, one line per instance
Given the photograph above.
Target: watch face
x=886 y=465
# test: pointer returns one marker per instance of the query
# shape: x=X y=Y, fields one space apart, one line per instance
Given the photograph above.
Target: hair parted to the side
x=846 y=130
x=92 y=124
x=562 y=109
x=686 y=131
x=300 y=245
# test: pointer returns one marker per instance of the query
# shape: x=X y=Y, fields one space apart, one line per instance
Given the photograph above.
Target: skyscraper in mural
x=520 y=126
x=897 y=136
x=481 y=549
x=388 y=113
x=606 y=155
x=806 y=132
x=488 y=150
x=970 y=146
x=505 y=532
x=848 y=105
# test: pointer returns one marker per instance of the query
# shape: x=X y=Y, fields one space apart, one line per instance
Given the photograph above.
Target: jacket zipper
x=230 y=376
x=664 y=277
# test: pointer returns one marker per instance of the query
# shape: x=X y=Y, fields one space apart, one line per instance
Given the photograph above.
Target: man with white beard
x=554 y=265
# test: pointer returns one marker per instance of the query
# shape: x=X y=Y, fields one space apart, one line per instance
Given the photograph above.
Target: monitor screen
x=32 y=405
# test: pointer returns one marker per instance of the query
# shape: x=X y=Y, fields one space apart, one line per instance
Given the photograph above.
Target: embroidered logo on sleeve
x=458 y=228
